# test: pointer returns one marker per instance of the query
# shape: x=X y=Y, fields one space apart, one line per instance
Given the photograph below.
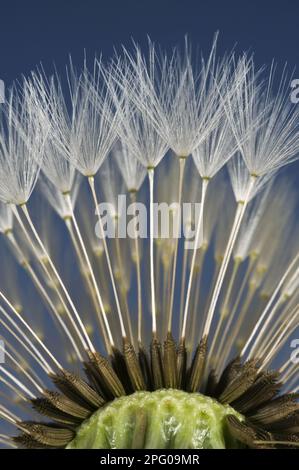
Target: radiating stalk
x=225 y=305
x=43 y=292
x=183 y=285
x=34 y=335
x=7 y=416
x=90 y=269
x=64 y=289
x=21 y=368
x=16 y=381
x=289 y=327
x=268 y=306
x=6 y=440
x=205 y=183
x=108 y=260
x=19 y=357
x=285 y=317
x=122 y=285
x=162 y=271
x=241 y=208
x=88 y=282
x=225 y=337
x=138 y=274
x=223 y=313
x=196 y=303
x=264 y=342
x=286 y=375
x=239 y=322
x=86 y=343
x=152 y=267
x=29 y=347
x=182 y=162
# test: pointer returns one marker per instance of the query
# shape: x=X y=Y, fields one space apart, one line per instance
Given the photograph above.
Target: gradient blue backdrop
x=47 y=31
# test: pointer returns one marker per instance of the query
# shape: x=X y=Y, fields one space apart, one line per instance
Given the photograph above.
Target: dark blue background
x=47 y=31
x=32 y=31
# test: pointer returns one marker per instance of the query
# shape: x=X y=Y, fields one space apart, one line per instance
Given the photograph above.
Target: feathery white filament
x=132 y=170
x=264 y=122
x=22 y=139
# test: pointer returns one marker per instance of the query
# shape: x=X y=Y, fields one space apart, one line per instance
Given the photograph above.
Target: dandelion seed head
x=264 y=121
x=95 y=323
x=22 y=140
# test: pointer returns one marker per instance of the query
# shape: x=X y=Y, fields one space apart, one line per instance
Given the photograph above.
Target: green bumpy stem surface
x=164 y=419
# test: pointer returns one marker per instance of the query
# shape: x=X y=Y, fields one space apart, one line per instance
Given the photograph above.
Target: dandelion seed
x=222 y=371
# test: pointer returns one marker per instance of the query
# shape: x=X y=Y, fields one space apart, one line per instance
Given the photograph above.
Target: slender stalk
x=103 y=238
x=34 y=335
x=20 y=358
x=217 y=260
x=269 y=348
x=17 y=382
x=193 y=331
x=88 y=282
x=138 y=274
x=122 y=284
x=224 y=308
x=234 y=333
x=90 y=269
x=43 y=292
x=279 y=341
x=182 y=162
x=225 y=305
x=52 y=307
x=284 y=316
x=14 y=389
x=205 y=183
x=31 y=349
x=51 y=264
x=163 y=281
x=284 y=367
x=5 y=440
x=152 y=267
x=8 y=415
x=268 y=306
x=228 y=339
x=288 y=373
x=241 y=208
x=49 y=261
x=183 y=285
x=21 y=368
x=270 y=332
x=166 y=283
